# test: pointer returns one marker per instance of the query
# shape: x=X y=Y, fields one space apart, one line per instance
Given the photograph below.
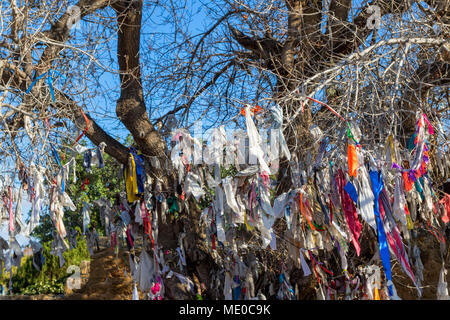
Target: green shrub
x=51 y=279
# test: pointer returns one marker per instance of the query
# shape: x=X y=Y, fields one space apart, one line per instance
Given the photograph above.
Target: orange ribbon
x=255 y=109
x=352 y=160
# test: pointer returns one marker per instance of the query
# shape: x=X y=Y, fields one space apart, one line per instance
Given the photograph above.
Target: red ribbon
x=314 y=266
x=85 y=182
x=87 y=127
x=324 y=104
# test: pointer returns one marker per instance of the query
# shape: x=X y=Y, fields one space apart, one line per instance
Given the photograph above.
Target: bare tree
x=246 y=52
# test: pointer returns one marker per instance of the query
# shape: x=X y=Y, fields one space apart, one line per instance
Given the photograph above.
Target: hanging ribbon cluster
x=326 y=209
x=32 y=180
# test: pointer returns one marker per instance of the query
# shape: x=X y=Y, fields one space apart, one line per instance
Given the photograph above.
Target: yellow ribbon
x=376 y=294
x=131 y=181
x=390 y=143
x=249 y=228
x=409 y=223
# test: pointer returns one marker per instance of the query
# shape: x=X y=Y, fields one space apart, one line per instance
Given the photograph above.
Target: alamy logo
x=218 y=146
x=374 y=21
x=74 y=281
x=74 y=17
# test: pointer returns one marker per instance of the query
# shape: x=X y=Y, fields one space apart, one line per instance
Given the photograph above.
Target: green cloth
x=173 y=204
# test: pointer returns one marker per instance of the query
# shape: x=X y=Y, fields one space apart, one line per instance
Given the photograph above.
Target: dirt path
x=107 y=279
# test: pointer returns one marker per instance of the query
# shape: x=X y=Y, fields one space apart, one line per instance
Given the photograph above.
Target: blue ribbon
x=283 y=280
x=377 y=187
x=419 y=188
x=140 y=171
x=50 y=85
x=34 y=82
x=287 y=214
x=237 y=290
x=351 y=190
x=49 y=81
x=59 y=163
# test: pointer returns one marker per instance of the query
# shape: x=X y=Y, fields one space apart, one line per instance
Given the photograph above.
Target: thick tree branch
x=130 y=107
x=97 y=135
x=262 y=47
x=60 y=31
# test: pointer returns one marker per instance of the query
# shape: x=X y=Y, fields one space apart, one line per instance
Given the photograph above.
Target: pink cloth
x=155 y=289
x=265 y=177
x=445 y=201
x=129 y=236
x=351 y=216
x=177 y=136
x=430 y=128
x=252 y=202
